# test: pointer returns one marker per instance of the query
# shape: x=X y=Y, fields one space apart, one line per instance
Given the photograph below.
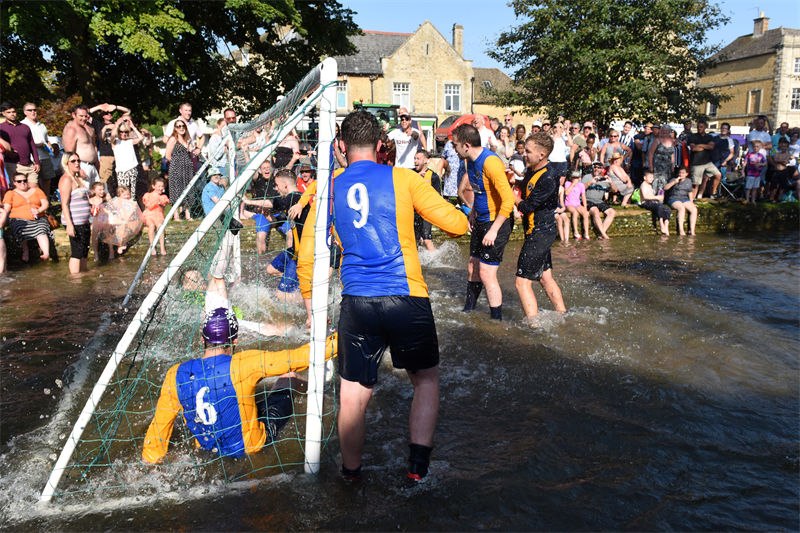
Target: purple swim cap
x=220 y=327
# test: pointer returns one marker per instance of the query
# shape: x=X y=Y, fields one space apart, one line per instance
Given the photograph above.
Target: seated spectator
x=597 y=187
x=679 y=197
x=654 y=202
x=781 y=174
x=620 y=181
x=26 y=207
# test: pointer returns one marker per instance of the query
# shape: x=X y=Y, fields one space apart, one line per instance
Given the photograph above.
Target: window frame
x=401 y=90
x=449 y=107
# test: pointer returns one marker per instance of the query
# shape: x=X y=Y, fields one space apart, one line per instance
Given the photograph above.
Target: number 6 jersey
x=373 y=214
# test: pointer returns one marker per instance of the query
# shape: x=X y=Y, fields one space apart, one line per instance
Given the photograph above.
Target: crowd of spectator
x=661 y=168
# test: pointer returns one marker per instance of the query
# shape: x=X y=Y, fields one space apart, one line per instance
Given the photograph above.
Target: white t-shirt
x=39 y=134
x=124 y=155
x=559 y=153
x=406 y=147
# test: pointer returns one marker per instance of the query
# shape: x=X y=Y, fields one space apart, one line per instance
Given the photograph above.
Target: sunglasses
x=74 y=161
x=20 y=181
x=405 y=117
x=31 y=110
x=180 y=127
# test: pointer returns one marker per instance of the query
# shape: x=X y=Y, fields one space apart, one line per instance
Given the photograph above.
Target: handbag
x=52 y=221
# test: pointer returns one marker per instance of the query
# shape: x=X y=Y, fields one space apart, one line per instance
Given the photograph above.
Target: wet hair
x=541 y=139
x=122 y=190
x=361 y=129
x=467 y=133
x=424 y=152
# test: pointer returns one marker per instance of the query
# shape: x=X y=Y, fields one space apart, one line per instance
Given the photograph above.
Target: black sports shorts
x=368 y=325
x=491 y=255
x=534 y=258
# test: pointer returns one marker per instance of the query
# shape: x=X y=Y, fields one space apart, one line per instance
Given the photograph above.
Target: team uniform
x=217 y=396
x=385 y=299
x=538 y=205
x=493 y=197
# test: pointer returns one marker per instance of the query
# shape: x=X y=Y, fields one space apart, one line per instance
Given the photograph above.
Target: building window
x=452 y=97
x=487 y=84
x=711 y=109
x=754 y=101
x=401 y=94
x=341 y=95
x=797 y=65
x=795 y=99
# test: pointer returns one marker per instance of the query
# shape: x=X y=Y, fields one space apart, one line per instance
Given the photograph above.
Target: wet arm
x=156 y=441
x=538 y=196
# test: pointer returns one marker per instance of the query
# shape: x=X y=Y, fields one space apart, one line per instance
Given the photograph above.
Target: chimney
x=760 y=25
x=458 y=39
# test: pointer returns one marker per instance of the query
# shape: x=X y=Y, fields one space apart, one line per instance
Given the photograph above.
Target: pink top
x=573 y=198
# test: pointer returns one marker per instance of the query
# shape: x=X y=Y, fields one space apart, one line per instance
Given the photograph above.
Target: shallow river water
x=666 y=398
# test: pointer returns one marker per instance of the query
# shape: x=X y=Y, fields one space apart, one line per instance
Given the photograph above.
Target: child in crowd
x=562 y=216
x=98 y=197
x=575 y=202
x=154 y=202
x=124 y=205
x=755 y=161
x=213 y=190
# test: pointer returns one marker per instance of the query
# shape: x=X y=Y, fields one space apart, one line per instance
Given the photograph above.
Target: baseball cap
x=220 y=327
x=597 y=164
x=305 y=162
x=537 y=123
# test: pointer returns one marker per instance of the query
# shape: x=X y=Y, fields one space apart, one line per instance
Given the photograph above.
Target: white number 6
x=205 y=411
x=358 y=200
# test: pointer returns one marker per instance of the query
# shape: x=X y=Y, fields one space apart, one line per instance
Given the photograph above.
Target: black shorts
x=368 y=325
x=534 y=258
x=601 y=206
x=422 y=228
x=79 y=244
x=491 y=255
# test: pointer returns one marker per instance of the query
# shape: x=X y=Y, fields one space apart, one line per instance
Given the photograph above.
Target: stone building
x=422 y=71
x=760 y=73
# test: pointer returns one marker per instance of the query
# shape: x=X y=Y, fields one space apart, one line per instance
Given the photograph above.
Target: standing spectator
x=579 y=140
x=687 y=130
x=102 y=132
x=760 y=133
x=305 y=174
x=491 y=224
x=661 y=158
x=781 y=133
x=385 y=300
x=23 y=157
x=194 y=128
x=588 y=156
x=505 y=146
x=75 y=210
x=451 y=179
x=124 y=138
x=755 y=162
x=627 y=135
x=79 y=138
x=262 y=187
x=179 y=149
x=724 y=150
x=560 y=153
x=407 y=141
x=520 y=133
x=217 y=155
x=701 y=145
x=639 y=155
x=45 y=152
x=613 y=146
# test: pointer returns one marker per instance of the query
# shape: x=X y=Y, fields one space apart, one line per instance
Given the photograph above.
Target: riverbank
x=715 y=216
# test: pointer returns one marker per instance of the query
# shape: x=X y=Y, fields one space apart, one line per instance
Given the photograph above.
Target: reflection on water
x=666 y=398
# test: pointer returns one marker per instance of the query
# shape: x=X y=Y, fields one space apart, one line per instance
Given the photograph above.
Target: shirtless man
x=78 y=137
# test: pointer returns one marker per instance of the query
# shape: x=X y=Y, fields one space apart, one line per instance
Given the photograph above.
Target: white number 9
x=358 y=200
x=205 y=411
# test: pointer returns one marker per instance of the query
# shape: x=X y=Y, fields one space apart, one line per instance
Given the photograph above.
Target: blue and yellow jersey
x=493 y=195
x=374 y=209
x=539 y=199
x=217 y=398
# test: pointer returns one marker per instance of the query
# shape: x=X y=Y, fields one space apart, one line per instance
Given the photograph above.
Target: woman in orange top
x=26 y=207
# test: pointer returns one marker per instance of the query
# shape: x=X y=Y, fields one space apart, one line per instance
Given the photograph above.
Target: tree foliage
x=154 y=54
x=607 y=59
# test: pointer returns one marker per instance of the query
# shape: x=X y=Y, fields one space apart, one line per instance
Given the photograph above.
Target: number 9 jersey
x=373 y=214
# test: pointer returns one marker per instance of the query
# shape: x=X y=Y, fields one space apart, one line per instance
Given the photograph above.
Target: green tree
x=153 y=54
x=607 y=59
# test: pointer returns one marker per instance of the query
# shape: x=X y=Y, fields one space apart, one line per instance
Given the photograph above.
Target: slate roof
x=498 y=79
x=371 y=46
x=748 y=46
